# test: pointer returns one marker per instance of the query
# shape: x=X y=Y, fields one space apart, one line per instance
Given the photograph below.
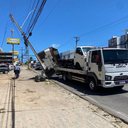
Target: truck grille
x=124 y=77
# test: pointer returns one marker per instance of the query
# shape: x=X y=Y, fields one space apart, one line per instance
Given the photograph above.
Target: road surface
x=28 y=104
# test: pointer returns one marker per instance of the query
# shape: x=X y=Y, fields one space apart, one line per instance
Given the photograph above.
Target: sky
x=93 y=21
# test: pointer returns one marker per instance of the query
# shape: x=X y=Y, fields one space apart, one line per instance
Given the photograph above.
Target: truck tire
x=92 y=85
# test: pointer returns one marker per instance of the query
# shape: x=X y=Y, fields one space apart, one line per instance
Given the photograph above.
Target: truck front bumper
x=111 y=84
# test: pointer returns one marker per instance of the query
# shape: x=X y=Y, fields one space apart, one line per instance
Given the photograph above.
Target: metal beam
x=27 y=42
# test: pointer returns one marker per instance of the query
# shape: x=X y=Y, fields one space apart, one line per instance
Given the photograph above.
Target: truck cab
x=80 y=56
x=108 y=67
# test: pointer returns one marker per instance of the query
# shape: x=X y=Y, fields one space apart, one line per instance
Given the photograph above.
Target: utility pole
x=22 y=54
x=27 y=54
x=12 y=32
x=77 y=39
x=27 y=43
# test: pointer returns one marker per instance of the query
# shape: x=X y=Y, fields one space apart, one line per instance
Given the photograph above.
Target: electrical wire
x=30 y=7
x=51 y=11
x=36 y=16
x=29 y=10
x=104 y=26
x=7 y=23
x=6 y=27
x=34 y=8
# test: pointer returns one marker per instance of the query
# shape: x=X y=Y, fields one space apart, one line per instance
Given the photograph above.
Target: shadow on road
x=81 y=87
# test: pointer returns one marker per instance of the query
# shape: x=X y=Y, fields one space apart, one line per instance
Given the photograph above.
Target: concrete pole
x=77 y=39
x=12 y=32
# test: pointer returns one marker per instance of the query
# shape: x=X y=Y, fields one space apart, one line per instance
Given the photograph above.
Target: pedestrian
x=17 y=71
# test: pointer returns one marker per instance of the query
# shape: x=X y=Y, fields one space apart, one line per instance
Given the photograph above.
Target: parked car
x=4 y=68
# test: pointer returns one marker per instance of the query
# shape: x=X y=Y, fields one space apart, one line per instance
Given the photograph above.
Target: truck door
x=95 y=64
x=79 y=59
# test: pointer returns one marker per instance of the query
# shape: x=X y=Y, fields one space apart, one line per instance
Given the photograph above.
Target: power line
x=30 y=7
x=37 y=16
x=104 y=26
x=29 y=10
x=51 y=11
x=6 y=26
x=34 y=7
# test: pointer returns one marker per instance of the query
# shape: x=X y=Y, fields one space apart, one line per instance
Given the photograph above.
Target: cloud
x=55 y=45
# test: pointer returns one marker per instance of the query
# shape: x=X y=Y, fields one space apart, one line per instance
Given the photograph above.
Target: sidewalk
x=47 y=105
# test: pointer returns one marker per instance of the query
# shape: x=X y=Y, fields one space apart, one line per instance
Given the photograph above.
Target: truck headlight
x=108 y=78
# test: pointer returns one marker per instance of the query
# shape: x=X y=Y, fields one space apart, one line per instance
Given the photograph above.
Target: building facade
x=118 y=42
x=114 y=42
x=124 y=41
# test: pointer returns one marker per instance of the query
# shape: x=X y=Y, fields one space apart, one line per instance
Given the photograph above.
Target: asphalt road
x=113 y=100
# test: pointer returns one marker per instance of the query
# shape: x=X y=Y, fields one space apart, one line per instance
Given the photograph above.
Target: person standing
x=17 y=71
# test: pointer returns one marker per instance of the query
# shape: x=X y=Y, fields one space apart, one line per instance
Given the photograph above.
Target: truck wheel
x=92 y=85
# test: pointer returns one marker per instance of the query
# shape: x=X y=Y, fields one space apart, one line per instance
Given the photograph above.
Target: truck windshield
x=86 y=49
x=115 y=56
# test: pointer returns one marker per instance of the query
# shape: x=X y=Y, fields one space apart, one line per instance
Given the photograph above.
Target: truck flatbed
x=71 y=70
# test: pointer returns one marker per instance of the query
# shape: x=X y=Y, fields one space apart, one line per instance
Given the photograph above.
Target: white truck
x=80 y=56
x=76 y=57
x=104 y=67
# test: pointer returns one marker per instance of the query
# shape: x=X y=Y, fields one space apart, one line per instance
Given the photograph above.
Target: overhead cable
x=37 y=16
x=104 y=26
x=6 y=26
x=34 y=8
